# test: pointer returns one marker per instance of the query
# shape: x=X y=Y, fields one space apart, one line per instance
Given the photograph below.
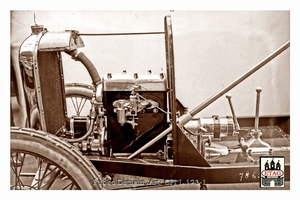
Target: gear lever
x=236 y=123
x=242 y=133
x=256 y=133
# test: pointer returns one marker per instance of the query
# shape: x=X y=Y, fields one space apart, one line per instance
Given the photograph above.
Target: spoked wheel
x=42 y=161
x=78 y=97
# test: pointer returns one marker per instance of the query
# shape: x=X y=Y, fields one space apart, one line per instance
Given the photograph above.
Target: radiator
x=51 y=101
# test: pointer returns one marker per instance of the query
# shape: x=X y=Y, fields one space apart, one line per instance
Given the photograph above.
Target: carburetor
x=127 y=110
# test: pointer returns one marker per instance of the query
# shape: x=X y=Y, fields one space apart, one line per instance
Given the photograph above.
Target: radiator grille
x=52 y=90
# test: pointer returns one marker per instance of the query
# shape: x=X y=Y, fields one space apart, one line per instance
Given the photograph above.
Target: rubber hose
x=90 y=67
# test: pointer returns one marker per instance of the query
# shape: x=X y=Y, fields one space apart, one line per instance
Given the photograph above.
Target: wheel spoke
x=46 y=176
x=70 y=186
x=42 y=161
x=78 y=104
x=83 y=101
x=52 y=177
x=16 y=166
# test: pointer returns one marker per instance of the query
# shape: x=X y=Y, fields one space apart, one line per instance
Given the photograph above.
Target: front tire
x=40 y=160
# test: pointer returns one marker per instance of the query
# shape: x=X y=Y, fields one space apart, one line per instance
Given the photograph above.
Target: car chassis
x=182 y=150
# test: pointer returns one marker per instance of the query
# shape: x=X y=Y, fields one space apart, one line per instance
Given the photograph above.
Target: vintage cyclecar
x=135 y=125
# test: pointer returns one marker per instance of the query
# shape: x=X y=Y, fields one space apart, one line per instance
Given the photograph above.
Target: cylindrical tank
x=216 y=126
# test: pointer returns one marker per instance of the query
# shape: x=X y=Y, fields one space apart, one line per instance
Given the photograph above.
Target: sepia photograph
x=150 y=99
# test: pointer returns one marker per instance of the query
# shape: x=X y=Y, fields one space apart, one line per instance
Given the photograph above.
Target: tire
x=33 y=151
x=78 y=89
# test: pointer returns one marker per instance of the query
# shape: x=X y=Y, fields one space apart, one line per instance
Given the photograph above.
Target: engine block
x=136 y=107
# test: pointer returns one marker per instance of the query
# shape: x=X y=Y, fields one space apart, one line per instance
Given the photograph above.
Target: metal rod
x=158 y=137
x=112 y=34
x=171 y=85
x=258 y=91
x=239 y=80
x=236 y=123
x=187 y=117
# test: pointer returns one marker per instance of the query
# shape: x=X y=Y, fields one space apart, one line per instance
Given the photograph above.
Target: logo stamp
x=272 y=171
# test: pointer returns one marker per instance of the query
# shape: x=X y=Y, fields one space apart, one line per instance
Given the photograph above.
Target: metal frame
x=195 y=166
x=183 y=168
